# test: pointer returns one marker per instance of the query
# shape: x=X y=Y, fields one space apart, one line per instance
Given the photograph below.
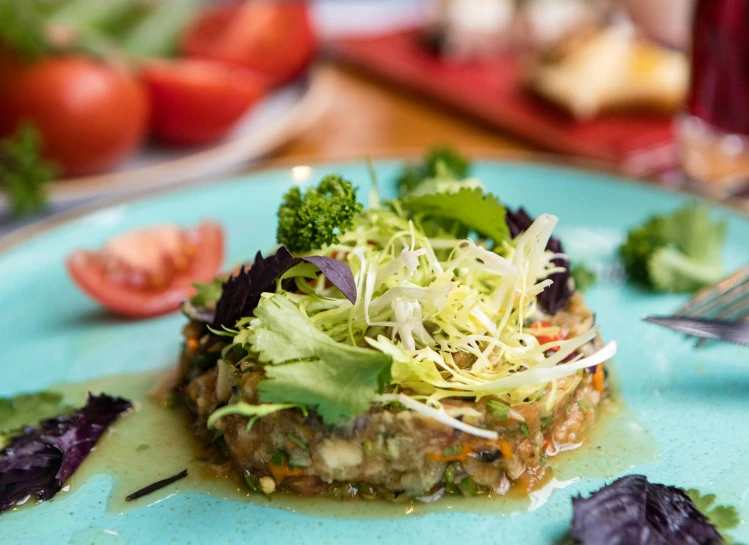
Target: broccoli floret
x=314 y=219
x=443 y=160
x=680 y=252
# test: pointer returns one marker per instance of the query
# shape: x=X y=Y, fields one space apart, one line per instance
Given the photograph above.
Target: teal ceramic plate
x=689 y=406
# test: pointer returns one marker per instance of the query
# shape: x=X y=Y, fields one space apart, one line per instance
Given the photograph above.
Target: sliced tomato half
x=273 y=38
x=149 y=272
x=197 y=102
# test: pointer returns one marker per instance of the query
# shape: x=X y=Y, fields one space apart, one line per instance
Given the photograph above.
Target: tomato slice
x=273 y=38
x=150 y=272
x=196 y=101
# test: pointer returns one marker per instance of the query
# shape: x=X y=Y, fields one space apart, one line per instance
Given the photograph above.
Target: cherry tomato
x=150 y=272
x=543 y=339
x=272 y=38
x=197 y=102
x=91 y=115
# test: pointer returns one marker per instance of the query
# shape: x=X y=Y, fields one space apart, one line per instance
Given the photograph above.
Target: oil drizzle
x=153 y=442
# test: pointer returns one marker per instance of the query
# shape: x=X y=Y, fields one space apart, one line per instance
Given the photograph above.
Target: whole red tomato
x=197 y=102
x=90 y=114
x=272 y=38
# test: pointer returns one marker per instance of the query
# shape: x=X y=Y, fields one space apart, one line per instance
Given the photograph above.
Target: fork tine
x=725 y=304
x=739 y=310
x=712 y=299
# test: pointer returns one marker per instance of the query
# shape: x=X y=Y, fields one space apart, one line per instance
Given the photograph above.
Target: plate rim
x=531 y=158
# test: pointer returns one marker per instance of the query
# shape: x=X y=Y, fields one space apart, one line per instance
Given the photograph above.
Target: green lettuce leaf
x=309 y=368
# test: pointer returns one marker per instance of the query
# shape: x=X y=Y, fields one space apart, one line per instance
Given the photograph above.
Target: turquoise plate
x=693 y=403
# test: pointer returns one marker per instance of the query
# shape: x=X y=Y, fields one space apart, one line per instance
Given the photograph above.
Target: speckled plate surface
x=691 y=405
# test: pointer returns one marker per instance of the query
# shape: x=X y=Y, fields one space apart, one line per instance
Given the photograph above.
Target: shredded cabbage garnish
x=450 y=312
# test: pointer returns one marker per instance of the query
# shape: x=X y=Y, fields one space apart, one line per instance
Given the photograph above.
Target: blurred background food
x=92 y=91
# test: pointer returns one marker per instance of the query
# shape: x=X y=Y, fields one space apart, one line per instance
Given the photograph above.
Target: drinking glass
x=714 y=130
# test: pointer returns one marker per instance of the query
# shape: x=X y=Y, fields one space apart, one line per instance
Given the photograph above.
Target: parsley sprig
x=23 y=172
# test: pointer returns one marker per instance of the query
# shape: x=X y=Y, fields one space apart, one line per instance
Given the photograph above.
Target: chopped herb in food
x=314 y=219
x=584 y=277
x=452 y=450
x=24 y=174
x=39 y=461
x=298 y=441
x=524 y=430
x=633 y=510
x=498 y=410
x=679 y=252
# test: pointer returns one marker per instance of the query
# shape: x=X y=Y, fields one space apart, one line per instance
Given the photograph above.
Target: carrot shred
x=505 y=448
x=598 y=378
x=461 y=456
x=192 y=346
x=281 y=472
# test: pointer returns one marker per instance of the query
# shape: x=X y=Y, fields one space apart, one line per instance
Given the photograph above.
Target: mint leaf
x=480 y=212
x=309 y=368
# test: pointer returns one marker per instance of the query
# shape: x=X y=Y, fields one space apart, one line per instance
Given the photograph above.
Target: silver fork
x=726 y=300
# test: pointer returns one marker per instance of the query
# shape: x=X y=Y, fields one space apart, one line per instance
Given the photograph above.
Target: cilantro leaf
x=723 y=517
x=28 y=410
x=309 y=368
x=23 y=172
x=584 y=277
x=480 y=212
x=680 y=252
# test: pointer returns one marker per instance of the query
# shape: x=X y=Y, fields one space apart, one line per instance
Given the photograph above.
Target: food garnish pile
x=426 y=345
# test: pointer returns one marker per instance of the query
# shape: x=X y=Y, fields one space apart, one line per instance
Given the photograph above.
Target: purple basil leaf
x=338 y=272
x=40 y=460
x=633 y=511
x=554 y=297
x=241 y=292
